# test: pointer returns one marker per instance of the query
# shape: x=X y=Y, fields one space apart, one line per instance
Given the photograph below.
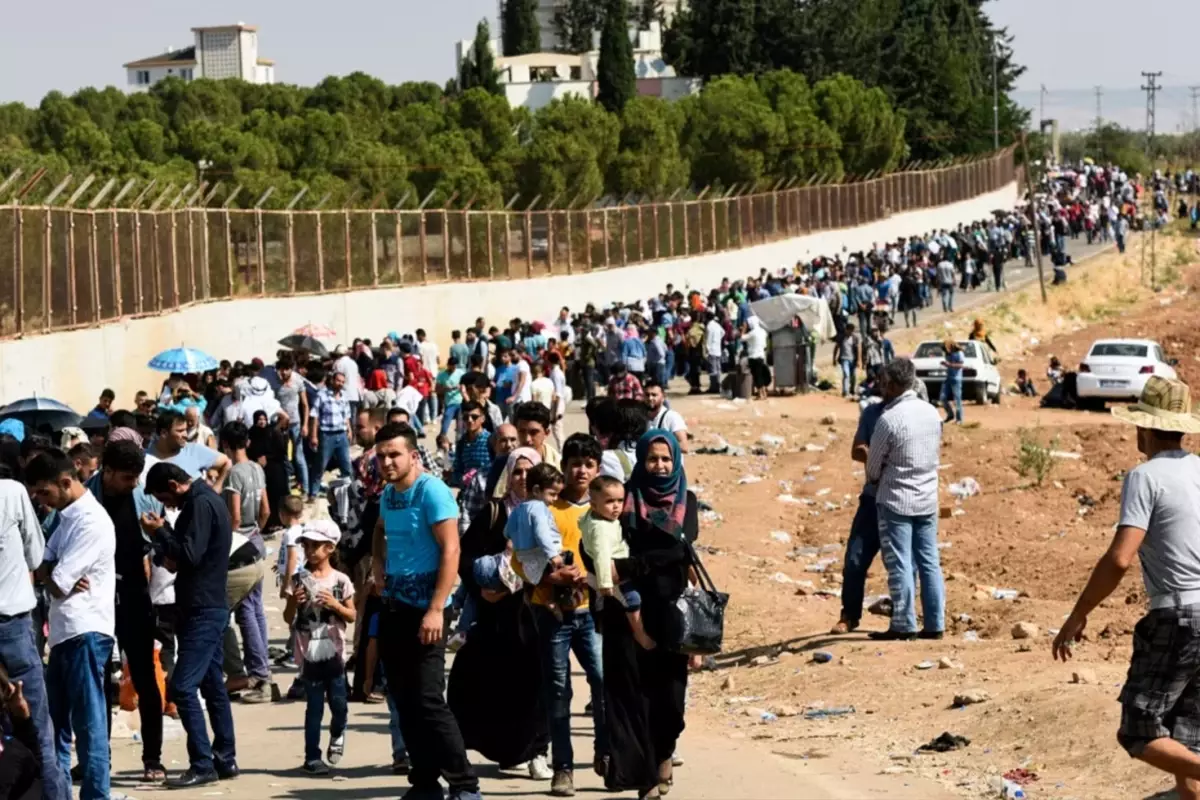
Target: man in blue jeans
x=21 y=549
x=329 y=429
x=79 y=570
x=197 y=549
x=293 y=401
x=903 y=461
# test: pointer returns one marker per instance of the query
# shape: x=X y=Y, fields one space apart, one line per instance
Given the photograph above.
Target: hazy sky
x=1067 y=44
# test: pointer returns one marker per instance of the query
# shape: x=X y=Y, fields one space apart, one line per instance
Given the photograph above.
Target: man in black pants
x=117 y=486
x=415 y=559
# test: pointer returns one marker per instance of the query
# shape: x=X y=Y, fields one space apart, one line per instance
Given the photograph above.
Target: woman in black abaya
x=644 y=689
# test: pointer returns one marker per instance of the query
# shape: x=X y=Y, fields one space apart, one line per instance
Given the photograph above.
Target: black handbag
x=702 y=614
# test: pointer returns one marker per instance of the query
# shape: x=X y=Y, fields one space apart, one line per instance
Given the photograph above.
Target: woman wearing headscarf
x=495 y=688
x=979 y=334
x=633 y=352
x=269 y=447
x=644 y=689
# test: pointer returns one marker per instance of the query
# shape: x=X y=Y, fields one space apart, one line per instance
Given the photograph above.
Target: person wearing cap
x=1160 y=523
x=318 y=610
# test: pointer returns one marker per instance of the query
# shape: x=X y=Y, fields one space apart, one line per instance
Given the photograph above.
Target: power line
x=1151 y=89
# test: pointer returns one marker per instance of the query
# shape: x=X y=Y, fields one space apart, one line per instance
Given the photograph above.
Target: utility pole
x=1151 y=89
x=1195 y=90
x=996 y=99
x=1099 y=111
x=1033 y=220
x=1042 y=111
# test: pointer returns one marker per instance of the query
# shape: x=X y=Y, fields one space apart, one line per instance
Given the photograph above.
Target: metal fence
x=62 y=268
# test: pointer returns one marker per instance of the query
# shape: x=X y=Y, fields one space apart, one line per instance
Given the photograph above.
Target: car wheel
x=981 y=394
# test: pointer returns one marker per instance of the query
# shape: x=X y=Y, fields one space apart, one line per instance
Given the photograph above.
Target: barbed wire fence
x=115 y=249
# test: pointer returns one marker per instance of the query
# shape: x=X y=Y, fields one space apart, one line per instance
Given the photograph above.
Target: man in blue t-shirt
x=415 y=560
x=171 y=445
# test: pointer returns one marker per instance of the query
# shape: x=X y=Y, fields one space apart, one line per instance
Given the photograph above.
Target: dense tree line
x=358 y=138
x=931 y=58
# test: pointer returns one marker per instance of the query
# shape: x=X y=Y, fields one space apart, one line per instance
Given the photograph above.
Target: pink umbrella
x=316 y=331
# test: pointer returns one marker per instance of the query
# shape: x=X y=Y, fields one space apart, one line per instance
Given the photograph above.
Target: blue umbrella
x=183 y=359
x=36 y=411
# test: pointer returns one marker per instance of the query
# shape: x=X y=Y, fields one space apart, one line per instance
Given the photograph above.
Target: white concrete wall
x=75 y=366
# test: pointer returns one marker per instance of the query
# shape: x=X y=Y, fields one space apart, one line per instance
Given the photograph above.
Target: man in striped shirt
x=330 y=421
x=903 y=460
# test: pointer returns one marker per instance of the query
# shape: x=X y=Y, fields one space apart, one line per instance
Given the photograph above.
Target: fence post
x=587 y=237
x=291 y=251
x=570 y=241
x=174 y=261
x=400 y=246
x=320 y=253
x=446 y=243
x=47 y=259
x=94 y=252
x=641 y=235
x=191 y=239
x=71 y=287
x=490 y=247
x=374 y=250
x=607 y=260
x=116 y=257
x=624 y=235
x=262 y=253
x=229 y=253
x=671 y=227
x=529 y=243
x=508 y=263
x=19 y=267
x=137 y=269
x=657 y=233
x=774 y=215
x=686 y=239
x=206 y=278
x=346 y=245
x=424 y=251
x=467 y=238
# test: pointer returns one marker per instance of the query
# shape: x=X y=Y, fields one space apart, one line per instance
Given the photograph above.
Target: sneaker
x=315 y=767
x=676 y=759
x=539 y=769
x=336 y=748
x=563 y=784
x=259 y=692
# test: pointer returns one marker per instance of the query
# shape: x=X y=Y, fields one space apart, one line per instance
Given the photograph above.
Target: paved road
x=1016 y=275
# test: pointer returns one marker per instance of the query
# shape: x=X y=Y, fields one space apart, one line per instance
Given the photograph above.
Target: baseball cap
x=321 y=530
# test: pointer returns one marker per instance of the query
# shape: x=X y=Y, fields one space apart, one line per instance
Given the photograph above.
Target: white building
x=535 y=79
x=547 y=8
x=225 y=51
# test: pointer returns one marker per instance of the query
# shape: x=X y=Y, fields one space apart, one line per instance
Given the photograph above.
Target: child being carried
x=535 y=538
x=603 y=542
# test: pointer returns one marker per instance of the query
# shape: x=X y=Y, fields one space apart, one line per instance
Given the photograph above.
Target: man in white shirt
x=79 y=570
x=348 y=367
x=428 y=351
x=714 y=338
x=21 y=548
x=663 y=417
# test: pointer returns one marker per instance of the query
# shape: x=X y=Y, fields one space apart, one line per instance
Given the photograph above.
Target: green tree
x=519 y=28
x=710 y=38
x=575 y=24
x=732 y=135
x=478 y=69
x=569 y=148
x=811 y=147
x=615 y=76
x=649 y=162
x=871 y=134
x=646 y=13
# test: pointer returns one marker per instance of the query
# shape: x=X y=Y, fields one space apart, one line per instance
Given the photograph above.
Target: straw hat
x=1166 y=405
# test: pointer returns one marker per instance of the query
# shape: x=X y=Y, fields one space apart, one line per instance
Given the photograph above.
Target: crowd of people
x=462 y=516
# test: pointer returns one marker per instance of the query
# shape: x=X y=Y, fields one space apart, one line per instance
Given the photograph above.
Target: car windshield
x=935 y=350
x=1120 y=349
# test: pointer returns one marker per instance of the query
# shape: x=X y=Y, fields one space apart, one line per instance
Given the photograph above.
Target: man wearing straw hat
x=1160 y=522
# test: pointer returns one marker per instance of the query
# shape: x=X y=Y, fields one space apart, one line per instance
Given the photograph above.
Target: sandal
x=666 y=778
x=154 y=775
x=843 y=627
x=374 y=698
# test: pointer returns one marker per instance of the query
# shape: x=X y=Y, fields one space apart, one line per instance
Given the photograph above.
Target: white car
x=981 y=379
x=1117 y=369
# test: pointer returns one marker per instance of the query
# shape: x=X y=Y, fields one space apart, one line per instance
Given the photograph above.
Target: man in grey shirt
x=246 y=497
x=293 y=401
x=903 y=460
x=1160 y=522
x=945 y=277
x=21 y=547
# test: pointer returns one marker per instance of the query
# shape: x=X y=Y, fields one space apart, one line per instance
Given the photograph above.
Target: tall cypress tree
x=615 y=73
x=478 y=69
x=520 y=31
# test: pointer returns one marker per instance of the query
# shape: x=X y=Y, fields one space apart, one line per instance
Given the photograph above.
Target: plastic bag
x=127 y=695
